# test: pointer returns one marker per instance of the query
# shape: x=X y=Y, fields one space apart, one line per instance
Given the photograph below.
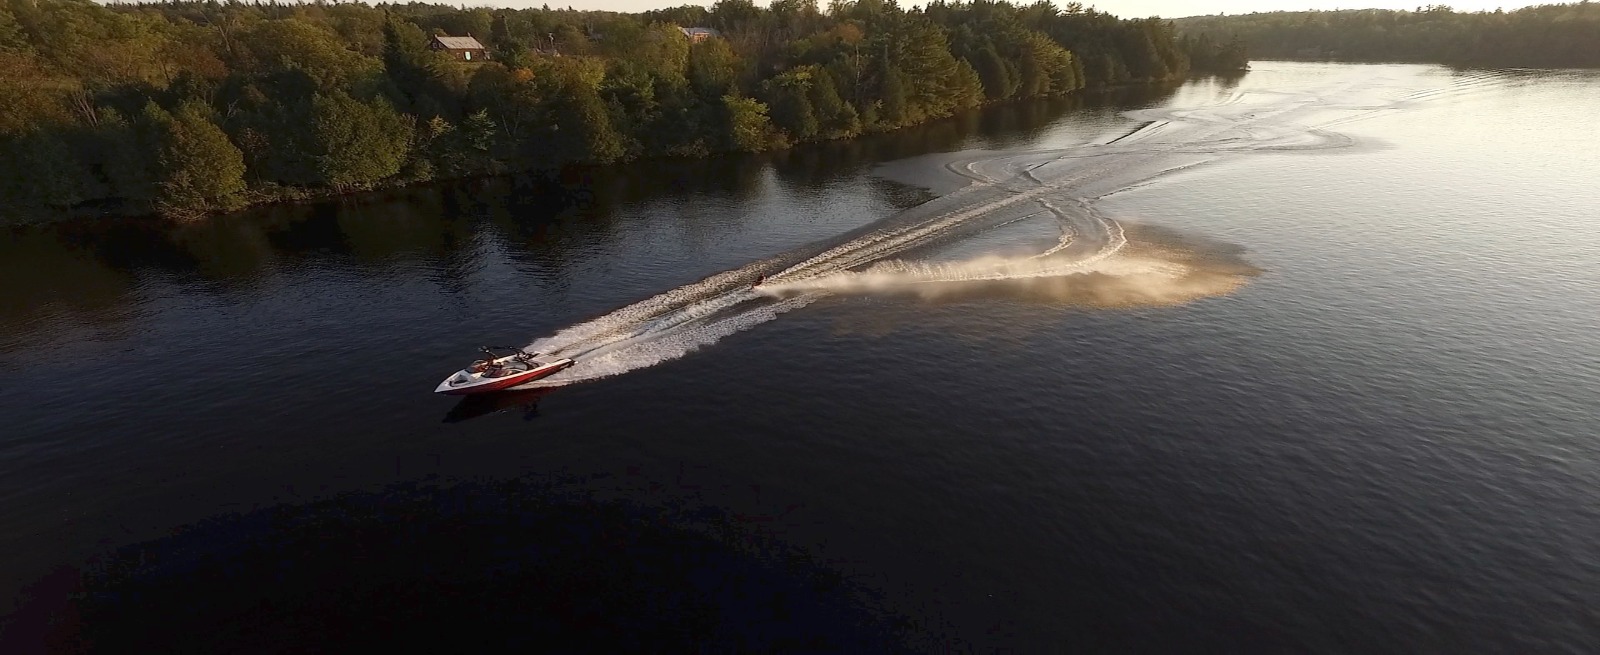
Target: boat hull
x=479 y=384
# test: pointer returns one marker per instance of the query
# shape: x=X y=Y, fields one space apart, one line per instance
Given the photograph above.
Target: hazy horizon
x=1123 y=8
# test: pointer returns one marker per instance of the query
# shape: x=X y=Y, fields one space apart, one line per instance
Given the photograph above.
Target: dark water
x=1317 y=373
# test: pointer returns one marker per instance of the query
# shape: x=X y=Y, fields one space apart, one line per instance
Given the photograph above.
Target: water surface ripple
x=1298 y=362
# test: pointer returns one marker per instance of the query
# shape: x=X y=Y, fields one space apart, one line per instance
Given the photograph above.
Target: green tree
x=579 y=128
x=731 y=15
x=684 y=124
x=277 y=46
x=630 y=95
x=969 y=89
x=201 y=171
x=790 y=96
x=131 y=157
x=666 y=54
x=661 y=50
x=358 y=143
x=275 y=133
x=893 y=95
x=12 y=38
x=38 y=170
x=835 y=117
x=995 y=73
x=31 y=94
x=929 y=73
x=467 y=149
x=415 y=71
x=1551 y=35
x=511 y=97
x=1054 y=65
x=749 y=129
x=713 y=67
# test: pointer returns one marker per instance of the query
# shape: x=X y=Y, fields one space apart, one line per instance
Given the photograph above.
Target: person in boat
x=493 y=369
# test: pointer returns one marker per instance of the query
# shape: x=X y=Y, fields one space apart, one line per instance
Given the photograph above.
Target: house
x=698 y=34
x=464 y=48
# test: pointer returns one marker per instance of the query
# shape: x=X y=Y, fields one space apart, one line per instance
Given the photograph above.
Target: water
x=1303 y=361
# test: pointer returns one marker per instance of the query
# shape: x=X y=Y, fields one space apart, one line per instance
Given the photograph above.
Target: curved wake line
x=680 y=321
x=664 y=345
x=888 y=274
x=1092 y=261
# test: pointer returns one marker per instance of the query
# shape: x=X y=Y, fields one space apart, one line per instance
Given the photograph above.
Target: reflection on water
x=1384 y=441
x=52 y=284
x=525 y=401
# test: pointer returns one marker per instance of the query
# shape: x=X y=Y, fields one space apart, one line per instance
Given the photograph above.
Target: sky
x=1123 y=8
x=1179 y=8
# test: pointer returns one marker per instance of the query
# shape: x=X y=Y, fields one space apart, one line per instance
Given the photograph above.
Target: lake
x=1303 y=361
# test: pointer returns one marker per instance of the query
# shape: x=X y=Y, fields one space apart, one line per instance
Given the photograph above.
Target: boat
x=496 y=372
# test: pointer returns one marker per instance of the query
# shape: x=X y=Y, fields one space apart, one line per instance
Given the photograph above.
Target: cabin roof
x=459 y=42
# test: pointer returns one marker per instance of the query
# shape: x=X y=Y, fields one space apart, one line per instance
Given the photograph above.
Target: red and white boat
x=495 y=373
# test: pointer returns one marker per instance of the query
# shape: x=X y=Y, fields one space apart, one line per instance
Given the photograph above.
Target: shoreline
x=298 y=196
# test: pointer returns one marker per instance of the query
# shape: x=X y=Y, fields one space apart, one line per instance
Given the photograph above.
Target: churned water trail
x=999 y=188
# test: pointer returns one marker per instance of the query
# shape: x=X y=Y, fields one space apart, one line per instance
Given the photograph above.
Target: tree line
x=186 y=108
x=1545 y=36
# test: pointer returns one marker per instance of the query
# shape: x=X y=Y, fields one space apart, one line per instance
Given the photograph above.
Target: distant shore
x=189 y=110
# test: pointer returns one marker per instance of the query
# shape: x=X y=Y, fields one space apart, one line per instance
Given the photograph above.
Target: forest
x=1545 y=36
x=188 y=108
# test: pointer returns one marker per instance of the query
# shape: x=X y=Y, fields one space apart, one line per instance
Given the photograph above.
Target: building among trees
x=464 y=48
x=698 y=34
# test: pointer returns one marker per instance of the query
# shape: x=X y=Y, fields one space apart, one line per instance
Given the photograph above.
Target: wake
x=1092 y=261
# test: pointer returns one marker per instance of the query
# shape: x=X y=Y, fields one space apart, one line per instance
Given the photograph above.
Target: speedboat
x=496 y=372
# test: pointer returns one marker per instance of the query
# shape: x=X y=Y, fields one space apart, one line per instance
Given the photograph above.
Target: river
x=1301 y=361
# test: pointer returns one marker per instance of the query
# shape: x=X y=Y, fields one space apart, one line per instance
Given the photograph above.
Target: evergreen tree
x=929 y=73
x=629 y=93
x=413 y=71
x=789 y=95
x=892 y=92
x=835 y=117
x=1055 y=65
x=993 y=72
x=969 y=87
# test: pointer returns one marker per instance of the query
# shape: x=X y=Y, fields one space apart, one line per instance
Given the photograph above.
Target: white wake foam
x=651 y=348
x=1090 y=263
